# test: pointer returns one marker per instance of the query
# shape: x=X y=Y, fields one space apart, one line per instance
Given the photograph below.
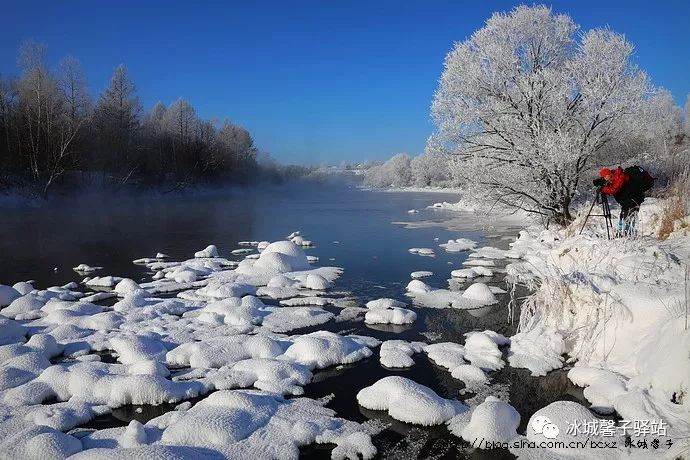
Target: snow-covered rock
x=8 y=295
x=417 y=286
x=481 y=350
x=322 y=349
x=491 y=421
x=540 y=350
x=210 y=251
x=393 y=315
x=480 y=293
x=385 y=303
x=408 y=401
x=22 y=287
x=458 y=245
x=398 y=353
x=468 y=273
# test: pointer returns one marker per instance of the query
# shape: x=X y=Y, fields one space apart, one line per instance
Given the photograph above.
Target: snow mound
x=287 y=319
x=127 y=286
x=8 y=295
x=482 y=271
x=22 y=287
x=459 y=245
x=446 y=354
x=481 y=293
x=393 y=315
x=468 y=273
x=223 y=418
x=323 y=349
x=417 y=286
x=283 y=257
x=552 y=423
x=540 y=350
x=24 y=307
x=481 y=350
x=274 y=376
x=408 y=401
x=603 y=387
x=471 y=375
x=421 y=274
x=85 y=268
x=492 y=421
x=210 y=251
x=223 y=351
x=248 y=424
x=385 y=303
x=479 y=263
x=11 y=331
x=317 y=282
x=398 y=353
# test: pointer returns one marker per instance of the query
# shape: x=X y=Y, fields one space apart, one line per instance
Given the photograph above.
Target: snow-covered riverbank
x=619 y=309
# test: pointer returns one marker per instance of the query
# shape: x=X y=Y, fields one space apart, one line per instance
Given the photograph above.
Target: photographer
x=627 y=186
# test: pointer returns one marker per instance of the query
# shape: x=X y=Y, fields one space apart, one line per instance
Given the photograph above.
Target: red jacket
x=618 y=180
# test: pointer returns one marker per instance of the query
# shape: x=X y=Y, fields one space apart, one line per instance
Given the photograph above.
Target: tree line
x=53 y=132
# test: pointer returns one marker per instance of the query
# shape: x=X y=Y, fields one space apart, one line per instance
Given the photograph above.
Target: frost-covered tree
x=396 y=172
x=432 y=168
x=527 y=104
x=655 y=137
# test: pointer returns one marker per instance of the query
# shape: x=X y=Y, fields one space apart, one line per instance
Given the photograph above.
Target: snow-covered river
x=350 y=228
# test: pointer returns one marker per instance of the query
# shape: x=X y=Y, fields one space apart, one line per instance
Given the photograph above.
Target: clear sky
x=314 y=81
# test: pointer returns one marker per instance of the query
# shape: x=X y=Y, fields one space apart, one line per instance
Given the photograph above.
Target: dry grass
x=676 y=203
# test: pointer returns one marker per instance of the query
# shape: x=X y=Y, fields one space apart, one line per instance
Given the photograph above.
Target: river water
x=351 y=228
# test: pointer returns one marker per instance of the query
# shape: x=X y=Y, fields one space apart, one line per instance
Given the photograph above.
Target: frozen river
x=351 y=228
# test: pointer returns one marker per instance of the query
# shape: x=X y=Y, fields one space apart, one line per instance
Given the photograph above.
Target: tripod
x=606 y=212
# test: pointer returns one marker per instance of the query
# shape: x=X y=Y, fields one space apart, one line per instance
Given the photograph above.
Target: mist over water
x=351 y=228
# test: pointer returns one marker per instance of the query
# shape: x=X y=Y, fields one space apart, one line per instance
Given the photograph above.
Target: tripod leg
x=606 y=210
x=596 y=199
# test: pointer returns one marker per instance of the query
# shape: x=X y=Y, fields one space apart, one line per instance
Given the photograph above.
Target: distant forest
x=53 y=132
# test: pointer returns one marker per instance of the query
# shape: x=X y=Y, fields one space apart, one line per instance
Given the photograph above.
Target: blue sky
x=313 y=81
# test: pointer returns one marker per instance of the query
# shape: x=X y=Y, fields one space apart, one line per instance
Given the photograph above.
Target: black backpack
x=640 y=179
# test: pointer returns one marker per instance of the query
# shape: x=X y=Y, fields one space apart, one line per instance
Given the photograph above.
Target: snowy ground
x=212 y=338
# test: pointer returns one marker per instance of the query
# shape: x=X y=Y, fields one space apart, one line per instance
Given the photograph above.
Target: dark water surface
x=351 y=228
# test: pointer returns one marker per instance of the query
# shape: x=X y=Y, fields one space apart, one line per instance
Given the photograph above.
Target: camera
x=600 y=182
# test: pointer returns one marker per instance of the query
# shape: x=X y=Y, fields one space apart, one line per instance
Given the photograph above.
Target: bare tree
x=75 y=106
x=37 y=104
x=116 y=118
